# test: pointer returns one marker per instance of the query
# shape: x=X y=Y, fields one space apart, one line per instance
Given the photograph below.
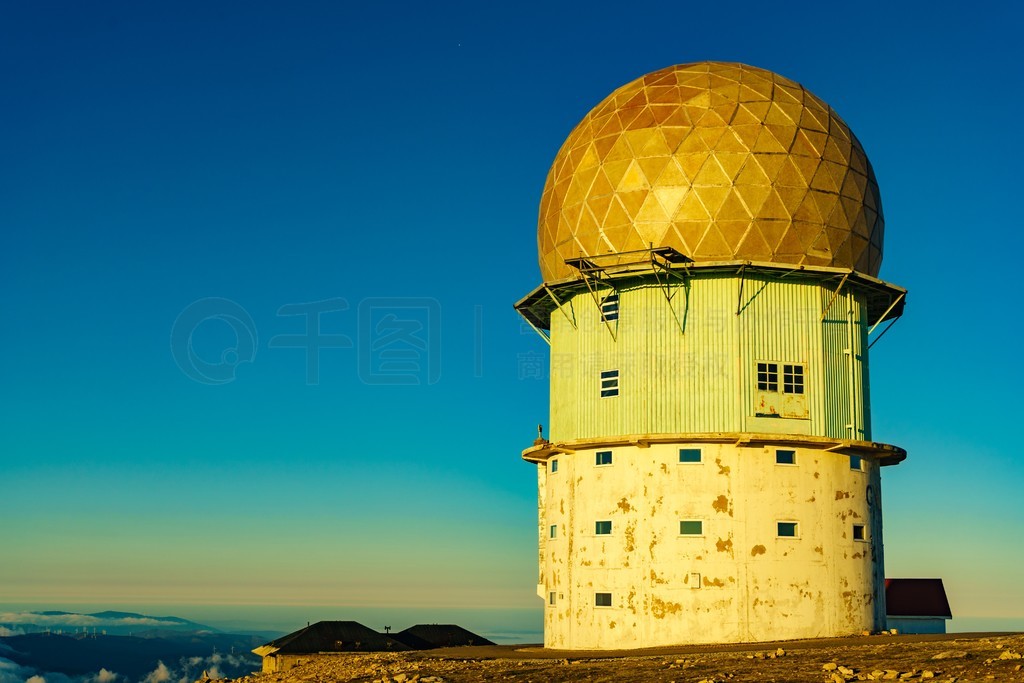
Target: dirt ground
x=952 y=657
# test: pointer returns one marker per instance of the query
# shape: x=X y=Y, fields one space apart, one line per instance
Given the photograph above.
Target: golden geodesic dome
x=720 y=161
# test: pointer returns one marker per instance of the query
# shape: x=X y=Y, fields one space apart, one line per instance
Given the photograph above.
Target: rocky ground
x=954 y=657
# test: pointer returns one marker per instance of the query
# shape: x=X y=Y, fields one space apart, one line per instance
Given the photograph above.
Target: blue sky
x=390 y=158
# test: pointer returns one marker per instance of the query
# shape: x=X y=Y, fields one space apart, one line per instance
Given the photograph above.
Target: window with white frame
x=785 y=456
x=792 y=379
x=781 y=390
x=602 y=599
x=554 y=465
x=768 y=376
x=551 y=597
x=690 y=456
x=856 y=463
x=603 y=458
x=691 y=527
x=859 y=534
x=553 y=531
x=787 y=529
x=609 y=383
x=603 y=527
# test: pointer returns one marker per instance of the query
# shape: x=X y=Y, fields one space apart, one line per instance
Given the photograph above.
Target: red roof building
x=916 y=605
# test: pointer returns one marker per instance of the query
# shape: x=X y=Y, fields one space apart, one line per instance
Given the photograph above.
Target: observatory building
x=710 y=237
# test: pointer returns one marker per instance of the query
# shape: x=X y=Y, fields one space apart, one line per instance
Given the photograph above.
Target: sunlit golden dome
x=720 y=161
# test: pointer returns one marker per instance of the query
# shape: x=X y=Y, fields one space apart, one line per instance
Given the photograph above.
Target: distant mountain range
x=109 y=622
x=128 y=644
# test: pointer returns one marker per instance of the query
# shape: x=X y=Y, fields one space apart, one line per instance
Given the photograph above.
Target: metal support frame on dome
x=540 y=333
x=739 y=297
x=664 y=259
x=591 y=274
x=882 y=333
x=666 y=287
x=884 y=301
x=558 y=305
x=887 y=312
x=836 y=294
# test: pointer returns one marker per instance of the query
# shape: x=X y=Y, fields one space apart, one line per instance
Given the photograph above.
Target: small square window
x=786 y=529
x=609 y=383
x=858 y=532
x=767 y=376
x=792 y=379
x=690 y=455
x=603 y=458
x=554 y=465
x=602 y=599
x=784 y=457
x=552 y=531
x=603 y=528
x=856 y=463
x=691 y=527
x=551 y=598
x=610 y=308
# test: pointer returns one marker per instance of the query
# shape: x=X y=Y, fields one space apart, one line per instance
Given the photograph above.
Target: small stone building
x=916 y=605
x=323 y=637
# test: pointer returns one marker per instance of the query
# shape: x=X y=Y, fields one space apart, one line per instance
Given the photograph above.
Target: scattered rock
x=831 y=666
x=1009 y=654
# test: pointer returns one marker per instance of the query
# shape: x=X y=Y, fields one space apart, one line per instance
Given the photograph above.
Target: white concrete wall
x=736 y=583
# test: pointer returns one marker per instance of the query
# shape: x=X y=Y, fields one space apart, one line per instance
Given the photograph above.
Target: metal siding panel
x=836 y=388
x=703 y=379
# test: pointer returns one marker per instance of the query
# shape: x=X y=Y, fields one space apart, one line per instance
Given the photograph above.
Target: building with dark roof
x=430 y=636
x=333 y=637
x=916 y=605
x=323 y=637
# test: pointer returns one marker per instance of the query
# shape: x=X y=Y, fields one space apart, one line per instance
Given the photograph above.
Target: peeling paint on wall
x=659 y=607
x=722 y=504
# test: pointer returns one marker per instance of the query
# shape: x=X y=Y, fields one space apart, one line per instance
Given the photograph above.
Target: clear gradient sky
x=389 y=157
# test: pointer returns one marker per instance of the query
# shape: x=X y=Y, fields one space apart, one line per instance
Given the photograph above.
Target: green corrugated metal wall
x=704 y=379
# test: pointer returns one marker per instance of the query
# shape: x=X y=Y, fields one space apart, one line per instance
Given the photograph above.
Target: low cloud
x=188 y=670
x=161 y=674
x=104 y=676
x=11 y=672
x=7 y=632
x=79 y=620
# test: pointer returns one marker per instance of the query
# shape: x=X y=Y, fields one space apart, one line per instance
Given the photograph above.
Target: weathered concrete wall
x=738 y=581
x=280 y=663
